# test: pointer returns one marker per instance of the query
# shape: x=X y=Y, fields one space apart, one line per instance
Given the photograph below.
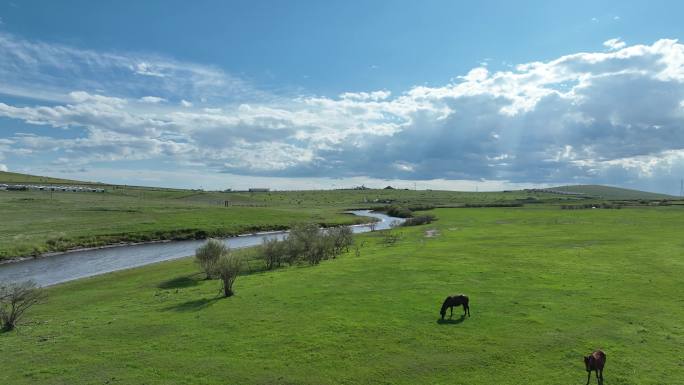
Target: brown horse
x=455 y=300
x=595 y=361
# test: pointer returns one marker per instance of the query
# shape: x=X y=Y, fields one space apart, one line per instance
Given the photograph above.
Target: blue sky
x=312 y=94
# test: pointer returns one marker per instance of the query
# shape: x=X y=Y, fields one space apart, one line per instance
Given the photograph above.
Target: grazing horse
x=595 y=361
x=455 y=300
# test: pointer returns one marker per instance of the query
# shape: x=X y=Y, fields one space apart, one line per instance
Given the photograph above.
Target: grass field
x=36 y=222
x=613 y=193
x=546 y=286
x=13 y=177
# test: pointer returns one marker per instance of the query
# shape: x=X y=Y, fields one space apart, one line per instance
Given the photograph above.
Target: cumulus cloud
x=3 y=167
x=594 y=117
x=152 y=100
x=614 y=44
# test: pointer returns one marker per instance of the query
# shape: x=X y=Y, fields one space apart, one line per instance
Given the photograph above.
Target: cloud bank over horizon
x=609 y=117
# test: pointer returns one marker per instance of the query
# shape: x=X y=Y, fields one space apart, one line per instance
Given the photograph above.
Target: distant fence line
x=545 y=190
x=60 y=188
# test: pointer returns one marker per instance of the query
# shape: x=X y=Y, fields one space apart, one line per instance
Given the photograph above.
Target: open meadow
x=546 y=285
x=37 y=222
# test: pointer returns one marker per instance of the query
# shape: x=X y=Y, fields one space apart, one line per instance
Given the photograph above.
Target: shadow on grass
x=451 y=321
x=194 y=305
x=180 y=282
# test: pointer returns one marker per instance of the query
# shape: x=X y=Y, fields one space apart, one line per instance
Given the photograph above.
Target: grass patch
x=546 y=286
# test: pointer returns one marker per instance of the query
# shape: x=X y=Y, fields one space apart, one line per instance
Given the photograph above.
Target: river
x=68 y=266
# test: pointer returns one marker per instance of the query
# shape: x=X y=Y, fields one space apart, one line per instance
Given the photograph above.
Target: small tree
x=227 y=269
x=320 y=249
x=342 y=238
x=15 y=300
x=301 y=241
x=372 y=226
x=272 y=252
x=208 y=255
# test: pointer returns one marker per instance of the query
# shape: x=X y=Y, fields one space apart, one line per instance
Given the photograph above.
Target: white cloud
x=366 y=96
x=614 y=44
x=3 y=167
x=59 y=69
x=152 y=99
x=584 y=117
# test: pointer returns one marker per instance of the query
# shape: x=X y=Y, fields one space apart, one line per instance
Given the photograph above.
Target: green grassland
x=612 y=193
x=13 y=177
x=36 y=222
x=546 y=286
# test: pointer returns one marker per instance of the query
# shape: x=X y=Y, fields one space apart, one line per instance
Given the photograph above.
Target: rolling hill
x=609 y=192
x=13 y=177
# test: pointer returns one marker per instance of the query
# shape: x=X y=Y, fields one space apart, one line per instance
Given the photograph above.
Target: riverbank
x=33 y=224
x=63 y=267
x=39 y=222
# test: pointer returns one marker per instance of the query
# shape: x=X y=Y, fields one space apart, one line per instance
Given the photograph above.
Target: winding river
x=54 y=269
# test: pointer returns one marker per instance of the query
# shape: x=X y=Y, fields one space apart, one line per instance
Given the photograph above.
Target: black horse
x=455 y=300
x=595 y=361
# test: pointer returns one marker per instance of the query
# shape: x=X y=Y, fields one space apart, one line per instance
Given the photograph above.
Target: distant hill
x=608 y=192
x=13 y=177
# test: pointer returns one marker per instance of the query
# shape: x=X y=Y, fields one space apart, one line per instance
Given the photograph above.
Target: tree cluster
x=419 y=220
x=307 y=243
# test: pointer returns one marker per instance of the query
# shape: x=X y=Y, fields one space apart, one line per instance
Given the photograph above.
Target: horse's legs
x=452 y=312
x=588 y=377
x=601 y=376
x=598 y=380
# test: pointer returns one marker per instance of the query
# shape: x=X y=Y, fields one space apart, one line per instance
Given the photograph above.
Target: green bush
x=15 y=300
x=227 y=268
x=208 y=255
x=398 y=212
x=306 y=243
x=273 y=252
x=419 y=220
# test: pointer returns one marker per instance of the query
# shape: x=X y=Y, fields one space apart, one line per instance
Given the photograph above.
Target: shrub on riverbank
x=15 y=300
x=227 y=268
x=419 y=220
x=399 y=212
x=305 y=242
x=207 y=256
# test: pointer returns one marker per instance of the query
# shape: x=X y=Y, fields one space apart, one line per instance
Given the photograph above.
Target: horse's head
x=442 y=311
x=587 y=363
